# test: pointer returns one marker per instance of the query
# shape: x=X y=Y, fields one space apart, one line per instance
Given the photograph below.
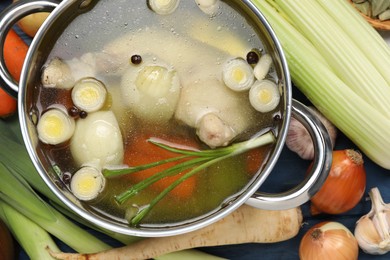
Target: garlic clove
x=372 y=231
x=368 y=237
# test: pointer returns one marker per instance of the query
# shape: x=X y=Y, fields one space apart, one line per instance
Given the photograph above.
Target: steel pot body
x=69 y=11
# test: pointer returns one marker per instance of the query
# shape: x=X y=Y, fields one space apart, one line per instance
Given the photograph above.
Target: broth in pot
x=152 y=117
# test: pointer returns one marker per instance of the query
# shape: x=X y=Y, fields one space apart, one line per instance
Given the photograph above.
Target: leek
x=16 y=192
x=356 y=116
x=35 y=240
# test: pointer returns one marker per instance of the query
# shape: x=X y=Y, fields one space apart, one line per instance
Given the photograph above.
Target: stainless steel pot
x=62 y=14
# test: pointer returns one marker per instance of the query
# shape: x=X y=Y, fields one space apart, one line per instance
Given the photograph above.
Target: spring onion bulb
x=263 y=67
x=208 y=6
x=87 y=183
x=264 y=95
x=97 y=139
x=163 y=7
x=89 y=94
x=237 y=74
x=55 y=126
x=151 y=90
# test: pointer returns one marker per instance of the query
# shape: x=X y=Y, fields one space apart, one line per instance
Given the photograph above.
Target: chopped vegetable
x=263 y=67
x=264 y=96
x=87 y=183
x=97 y=139
x=8 y=104
x=151 y=90
x=245 y=225
x=237 y=74
x=139 y=151
x=163 y=7
x=201 y=160
x=55 y=126
x=89 y=94
x=356 y=115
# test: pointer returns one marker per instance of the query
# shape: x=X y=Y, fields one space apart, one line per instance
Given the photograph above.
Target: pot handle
x=8 y=17
x=313 y=182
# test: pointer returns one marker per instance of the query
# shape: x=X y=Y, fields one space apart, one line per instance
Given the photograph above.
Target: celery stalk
x=352 y=114
x=17 y=192
x=341 y=52
x=364 y=37
x=35 y=240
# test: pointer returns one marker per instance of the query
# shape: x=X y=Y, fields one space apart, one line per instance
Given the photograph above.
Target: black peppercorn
x=252 y=57
x=83 y=114
x=136 y=59
x=73 y=111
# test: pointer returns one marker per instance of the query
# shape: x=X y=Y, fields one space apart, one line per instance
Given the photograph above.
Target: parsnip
x=245 y=225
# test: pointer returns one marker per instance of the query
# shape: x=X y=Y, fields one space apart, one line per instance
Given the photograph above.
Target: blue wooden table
x=289 y=168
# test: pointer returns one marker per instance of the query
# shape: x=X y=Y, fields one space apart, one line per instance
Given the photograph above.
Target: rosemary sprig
x=201 y=159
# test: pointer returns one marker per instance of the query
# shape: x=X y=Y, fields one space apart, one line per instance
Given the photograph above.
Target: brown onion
x=328 y=240
x=345 y=185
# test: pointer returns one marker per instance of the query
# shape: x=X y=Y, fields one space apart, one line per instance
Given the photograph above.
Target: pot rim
x=251 y=188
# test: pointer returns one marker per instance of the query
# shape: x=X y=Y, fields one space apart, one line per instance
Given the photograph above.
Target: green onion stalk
x=198 y=160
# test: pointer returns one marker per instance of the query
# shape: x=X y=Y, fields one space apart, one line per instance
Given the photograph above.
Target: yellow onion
x=328 y=240
x=345 y=185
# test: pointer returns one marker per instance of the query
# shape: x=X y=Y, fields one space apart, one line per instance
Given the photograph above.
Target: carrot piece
x=7 y=104
x=15 y=51
x=139 y=151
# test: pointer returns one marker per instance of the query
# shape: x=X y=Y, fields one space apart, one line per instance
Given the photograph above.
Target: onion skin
x=328 y=240
x=7 y=249
x=345 y=185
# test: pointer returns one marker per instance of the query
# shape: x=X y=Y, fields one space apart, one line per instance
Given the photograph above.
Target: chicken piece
x=218 y=113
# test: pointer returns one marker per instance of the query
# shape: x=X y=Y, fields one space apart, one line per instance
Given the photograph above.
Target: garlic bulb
x=372 y=231
x=298 y=138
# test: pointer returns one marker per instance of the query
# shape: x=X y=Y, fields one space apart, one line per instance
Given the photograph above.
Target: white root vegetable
x=298 y=138
x=245 y=225
x=151 y=90
x=97 y=140
x=231 y=109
